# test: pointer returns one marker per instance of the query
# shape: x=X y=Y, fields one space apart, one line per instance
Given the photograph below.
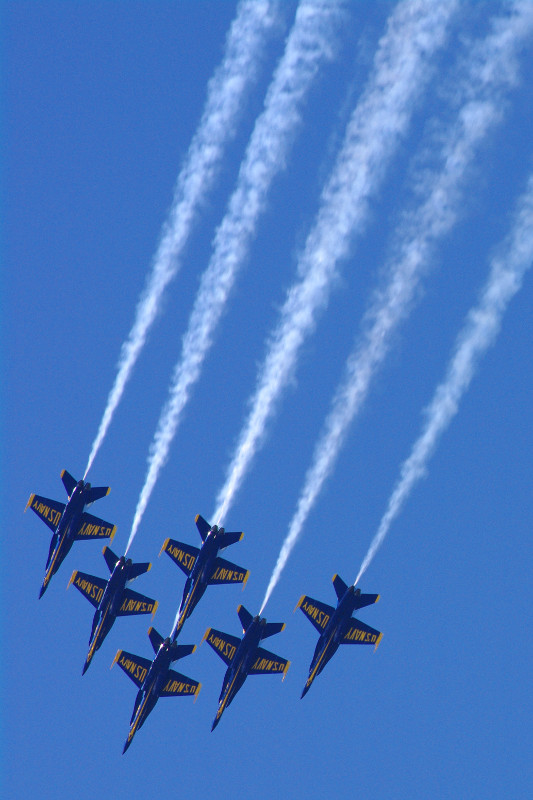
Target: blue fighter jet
x=154 y=678
x=244 y=656
x=336 y=625
x=112 y=598
x=70 y=522
x=203 y=567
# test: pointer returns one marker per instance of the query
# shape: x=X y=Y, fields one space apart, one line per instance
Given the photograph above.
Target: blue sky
x=102 y=102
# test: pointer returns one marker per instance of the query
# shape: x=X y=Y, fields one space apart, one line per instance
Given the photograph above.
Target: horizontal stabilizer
x=182 y=650
x=96 y=492
x=50 y=511
x=267 y=663
x=156 y=639
x=139 y=569
x=90 y=527
x=91 y=587
x=135 y=667
x=222 y=643
x=203 y=526
x=359 y=633
x=135 y=603
x=69 y=482
x=184 y=555
x=110 y=558
x=366 y=600
x=245 y=618
x=177 y=684
x=226 y=572
x=230 y=537
x=340 y=587
x=318 y=613
x=271 y=628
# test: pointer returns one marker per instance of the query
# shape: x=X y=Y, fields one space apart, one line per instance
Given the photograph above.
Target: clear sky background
x=101 y=102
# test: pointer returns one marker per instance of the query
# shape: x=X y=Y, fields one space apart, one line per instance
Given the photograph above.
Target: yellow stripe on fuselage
x=184 y=612
x=322 y=654
x=222 y=706
x=137 y=718
x=48 y=573
x=95 y=637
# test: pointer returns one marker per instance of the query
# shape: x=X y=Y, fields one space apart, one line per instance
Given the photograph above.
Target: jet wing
x=50 y=511
x=359 y=633
x=184 y=555
x=319 y=614
x=135 y=603
x=222 y=643
x=268 y=663
x=178 y=684
x=135 y=667
x=226 y=572
x=90 y=527
x=92 y=588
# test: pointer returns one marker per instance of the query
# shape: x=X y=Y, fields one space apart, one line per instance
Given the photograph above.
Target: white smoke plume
x=232 y=80
x=491 y=69
x=415 y=30
x=479 y=332
x=309 y=44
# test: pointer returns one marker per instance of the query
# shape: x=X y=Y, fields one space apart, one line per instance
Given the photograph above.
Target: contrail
x=414 y=31
x=232 y=80
x=479 y=332
x=491 y=68
x=307 y=47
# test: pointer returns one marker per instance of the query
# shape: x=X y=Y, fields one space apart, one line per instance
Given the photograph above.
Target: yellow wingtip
x=164 y=546
x=72 y=577
x=299 y=603
x=30 y=501
x=113 y=533
x=155 y=608
x=245 y=581
x=197 y=692
x=378 y=641
x=285 y=671
x=119 y=653
x=206 y=634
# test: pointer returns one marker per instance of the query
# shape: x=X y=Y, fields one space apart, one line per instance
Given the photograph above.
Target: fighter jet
x=154 y=678
x=70 y=522
x=111 y=598
x=244 y=656
x=336 y=625
x=203 y=567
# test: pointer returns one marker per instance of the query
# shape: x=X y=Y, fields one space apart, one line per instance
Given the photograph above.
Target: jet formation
x=203 y=567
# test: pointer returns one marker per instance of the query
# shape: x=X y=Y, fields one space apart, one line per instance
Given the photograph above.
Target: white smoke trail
x=414 y=31
x=491 y=68
x=308 y=45
x=479 y=332
x=226 y=90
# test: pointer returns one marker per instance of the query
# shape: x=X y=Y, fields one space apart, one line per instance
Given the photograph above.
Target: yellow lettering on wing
x=229 y=575
x=225 y=648
x=187 y=559
x=268 y=665
x=315 y=613
x=90 y=590
x=136 y=670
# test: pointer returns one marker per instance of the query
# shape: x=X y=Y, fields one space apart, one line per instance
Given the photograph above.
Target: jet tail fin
x=110 y=558
x=156 y=640
x=339 y=586
x=271 y=628
x=245 y=618
x=69 y=482
x=139 y=569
